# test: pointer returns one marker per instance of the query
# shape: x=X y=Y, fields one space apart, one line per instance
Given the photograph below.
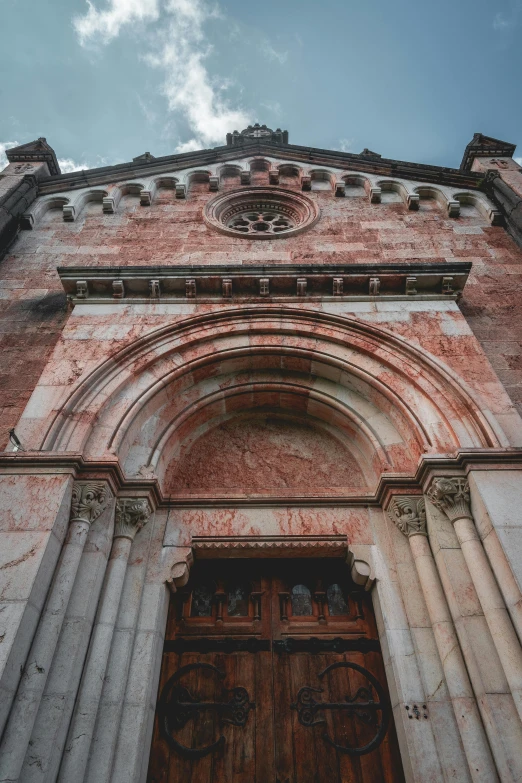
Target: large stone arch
x=395 y=401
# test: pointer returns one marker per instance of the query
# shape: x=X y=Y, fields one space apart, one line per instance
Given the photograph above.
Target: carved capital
x=451 y=495
x=131 y=515
x=89 y=499
x=408 y=513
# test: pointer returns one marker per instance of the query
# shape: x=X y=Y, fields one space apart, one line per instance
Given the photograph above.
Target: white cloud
x=180 y=51
x=5 y=145
x=346 y=145
x=67 y=165
x=273 y=54
x=518 y=160
x=103 y=26
x=501 y=22
x=192 y=145
x=187 y=86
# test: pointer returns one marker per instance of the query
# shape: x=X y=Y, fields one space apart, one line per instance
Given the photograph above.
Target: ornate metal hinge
x=208 y=644
x=316 y=645
x=177 y=706
x=363 y=706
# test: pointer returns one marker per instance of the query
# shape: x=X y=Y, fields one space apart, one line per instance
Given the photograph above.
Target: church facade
x=261 y=476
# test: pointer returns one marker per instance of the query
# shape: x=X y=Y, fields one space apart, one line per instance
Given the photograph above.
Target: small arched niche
x=355 y=186
x=165 y=190
x=321 y=179
x=289 y=176
x=264 y=452
x=229 y=177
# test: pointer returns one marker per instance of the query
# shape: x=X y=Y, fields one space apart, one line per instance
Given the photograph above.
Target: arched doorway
x=272 y=671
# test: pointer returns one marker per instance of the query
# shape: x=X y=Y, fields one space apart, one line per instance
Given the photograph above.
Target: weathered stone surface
x=260 y=415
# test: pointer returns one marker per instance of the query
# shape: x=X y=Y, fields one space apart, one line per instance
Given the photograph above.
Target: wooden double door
x=272 y=673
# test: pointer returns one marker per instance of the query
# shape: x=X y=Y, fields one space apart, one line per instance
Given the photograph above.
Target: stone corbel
x=245 y=177
x=111 y=200
x=374 y=286
x=375 y=195
x=306 y=182
x=213 y=183
x=131 y=515
x=69 y=212
x=453 y=208
x=408 y=514
x=340 y=188
x=178 y=570
x=413 y=200
x=147 y=194
x=82 y=289
x=181 y=190
x=360 y=564
x=118 y=289
x=154 y=289
x=27 y=221
x=411 y=286
x=496 y=218
x=273 y=176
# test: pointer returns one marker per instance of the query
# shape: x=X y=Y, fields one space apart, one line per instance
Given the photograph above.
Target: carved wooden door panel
x=272 y=673
x=214 y=720
x=332 y=714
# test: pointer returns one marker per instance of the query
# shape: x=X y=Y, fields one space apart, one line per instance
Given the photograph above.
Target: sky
x=107 y=80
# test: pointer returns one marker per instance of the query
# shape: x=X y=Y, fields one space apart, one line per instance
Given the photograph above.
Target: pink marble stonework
x=259 y=351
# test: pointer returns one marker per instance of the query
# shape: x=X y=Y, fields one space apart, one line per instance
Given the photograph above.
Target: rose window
x=268 y=222
x=261 y=213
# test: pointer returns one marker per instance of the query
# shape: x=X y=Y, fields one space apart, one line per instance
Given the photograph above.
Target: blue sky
x=107 y=80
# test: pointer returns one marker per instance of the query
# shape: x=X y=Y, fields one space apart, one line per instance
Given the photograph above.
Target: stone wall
x=33 y=308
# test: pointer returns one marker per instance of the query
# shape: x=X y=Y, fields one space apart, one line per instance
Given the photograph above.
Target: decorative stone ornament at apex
x=408 y=513
x=89 y=500
x=131 y=515
x=451 y=495
x=261 y=213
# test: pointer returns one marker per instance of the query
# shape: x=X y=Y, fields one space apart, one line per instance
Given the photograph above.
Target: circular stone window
x=261 y=213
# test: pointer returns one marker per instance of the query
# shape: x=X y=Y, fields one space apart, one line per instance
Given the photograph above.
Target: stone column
x=496 y=500
x=409 y=515
x=451 y=496
x=89 y=499
x=131 y=515
x=111 y=704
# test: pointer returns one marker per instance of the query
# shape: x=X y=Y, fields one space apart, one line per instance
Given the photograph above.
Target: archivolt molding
x=421 y=396
x=366 y=445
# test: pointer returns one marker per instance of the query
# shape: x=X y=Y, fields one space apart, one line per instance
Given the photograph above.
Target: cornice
x=461 y=463
x=309 y=156
x=138 y=284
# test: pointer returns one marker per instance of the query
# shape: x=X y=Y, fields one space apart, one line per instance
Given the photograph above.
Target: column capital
x=131 y=515
x=408 y=513
x=451 y=495
x=89 y=500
